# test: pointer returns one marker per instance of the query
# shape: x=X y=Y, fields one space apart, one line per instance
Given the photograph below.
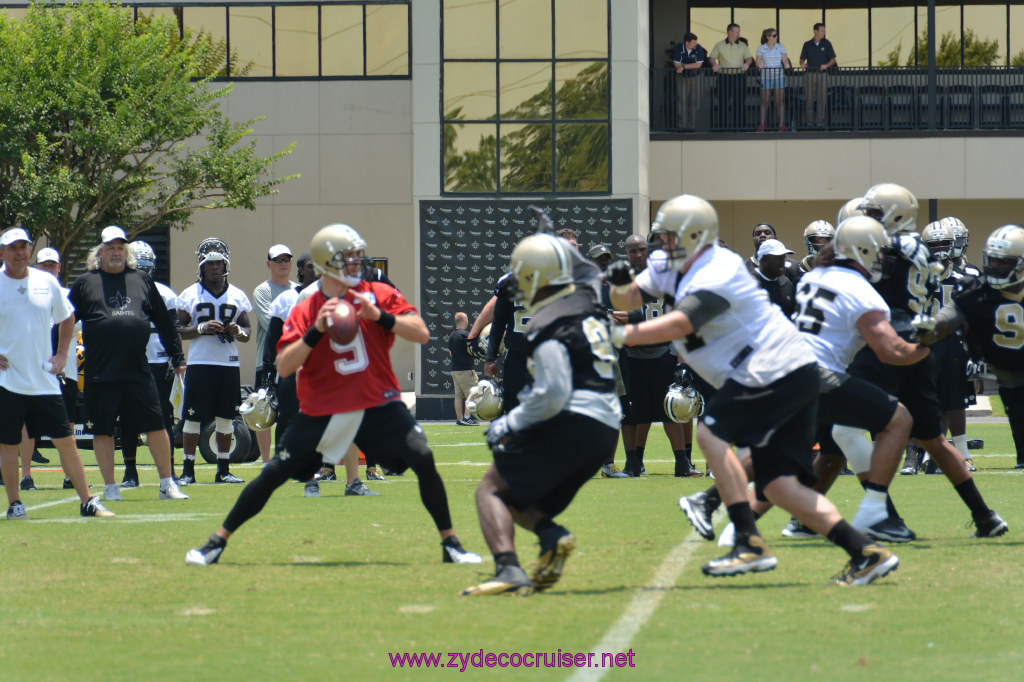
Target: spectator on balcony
x=772 y=60
x=730 y=59
x=817 y=57
x=688 y=57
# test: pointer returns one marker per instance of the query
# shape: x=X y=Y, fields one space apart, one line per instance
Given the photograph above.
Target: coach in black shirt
x=116 y=304
x=817 y=56
x=463 y=376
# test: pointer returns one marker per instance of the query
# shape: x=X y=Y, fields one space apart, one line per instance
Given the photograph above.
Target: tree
x=107 y=120
x=977 y=52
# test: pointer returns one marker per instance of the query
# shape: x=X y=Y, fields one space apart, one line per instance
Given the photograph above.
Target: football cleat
x=753 y=556
x=969 y=465
x=610 y=470
x=548 y=568
x=94 y=508
x=374 y=473
x=699 y=514
x=357 y=487
x=68 y=485
x=452 y=552
x=187 y=479
x=312 y=489
x=509 y=580
x=38 y=458
x=172 y=492
x=27 y=483
x=889 y=530
x=989 y=526
x=227 y=477
x=795 y=529
x=876 y=563
x=208 y=553
x=326 y=473
x=112 y=493
x=909 y=469
x=17 y=512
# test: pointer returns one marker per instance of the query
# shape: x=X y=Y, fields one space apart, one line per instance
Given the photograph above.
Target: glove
x=923 y=323
x=911 y=248
x=496 y=432
x=618 y=336
x=975 y=369
x=619 y=274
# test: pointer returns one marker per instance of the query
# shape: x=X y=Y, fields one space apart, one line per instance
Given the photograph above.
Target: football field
x=352 y=587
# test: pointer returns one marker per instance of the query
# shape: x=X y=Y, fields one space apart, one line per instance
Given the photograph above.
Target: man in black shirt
x=463 y=376
x=116 y=304
x=770 y=274
x=817 y=56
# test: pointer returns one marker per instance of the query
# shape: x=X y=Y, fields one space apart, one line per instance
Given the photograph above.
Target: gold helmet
x=1003 y=257
x=892 y=205
x=683 y=403
x=862 y=239
x=692 y=220
x=938 y=237
x=850 y=209
x=961 y=235
x=485 y=400
x=259 y=410
x=817 y=235
x=538 y=262
x=328 y=253
x=485 y=339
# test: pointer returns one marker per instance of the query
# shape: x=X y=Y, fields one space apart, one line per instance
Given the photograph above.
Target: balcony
x=890 y=101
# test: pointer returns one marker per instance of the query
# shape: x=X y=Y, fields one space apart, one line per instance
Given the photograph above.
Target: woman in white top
x=772 y=60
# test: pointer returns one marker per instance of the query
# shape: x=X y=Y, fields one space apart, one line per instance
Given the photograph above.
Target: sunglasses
x=282 y=259
x=773 y=35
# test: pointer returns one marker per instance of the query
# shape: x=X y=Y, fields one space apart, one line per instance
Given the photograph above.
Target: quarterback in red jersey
x=347 y=393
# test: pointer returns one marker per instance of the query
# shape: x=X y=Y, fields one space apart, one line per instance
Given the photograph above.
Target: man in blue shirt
x=688 y=57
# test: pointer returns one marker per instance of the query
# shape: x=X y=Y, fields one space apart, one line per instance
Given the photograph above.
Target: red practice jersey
x=346 y=377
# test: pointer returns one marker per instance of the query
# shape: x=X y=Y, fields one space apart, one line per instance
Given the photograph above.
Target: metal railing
x=844 y=99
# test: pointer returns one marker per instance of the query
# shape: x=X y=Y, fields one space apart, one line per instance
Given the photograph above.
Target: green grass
x=326 y=588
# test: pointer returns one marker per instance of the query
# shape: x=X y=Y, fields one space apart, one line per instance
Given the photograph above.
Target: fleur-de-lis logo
x=119 y=301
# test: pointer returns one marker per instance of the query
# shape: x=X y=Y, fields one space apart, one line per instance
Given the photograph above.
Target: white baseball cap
x=15 y=234
x=278 y=250
x=772 y=247
x=47 y=255
x=112 y=232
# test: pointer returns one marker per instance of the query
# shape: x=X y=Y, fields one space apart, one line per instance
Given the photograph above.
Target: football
x=344 y=325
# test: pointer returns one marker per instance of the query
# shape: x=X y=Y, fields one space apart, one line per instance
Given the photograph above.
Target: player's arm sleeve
x=502 y=314
x=165 y=327
x=551 y=388
x=270 y=342
x=700 y=307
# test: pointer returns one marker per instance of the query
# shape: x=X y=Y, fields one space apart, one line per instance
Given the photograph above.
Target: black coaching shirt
x=116 y=311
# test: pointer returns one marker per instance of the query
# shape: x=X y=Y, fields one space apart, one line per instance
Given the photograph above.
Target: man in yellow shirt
x=730 y=59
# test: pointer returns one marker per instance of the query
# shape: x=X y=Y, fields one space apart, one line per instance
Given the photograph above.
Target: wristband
x=199 y=328
x=312 y=336
x=386 y=320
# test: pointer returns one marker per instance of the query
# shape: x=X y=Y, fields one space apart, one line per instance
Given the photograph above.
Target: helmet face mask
x=541 y=270
x=210 y=250
x=485 y=400
x=938 y=237
x=259 y=410
x=145 y=257
x=961 y=236
x=1003 y=257
x=338 y=251
x=817 y=235
x=863 y=240
x=684 y=225
x=892 y=205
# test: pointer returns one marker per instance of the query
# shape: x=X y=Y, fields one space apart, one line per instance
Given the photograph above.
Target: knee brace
x=224 y=426
x=855 y=447
x=191 y=427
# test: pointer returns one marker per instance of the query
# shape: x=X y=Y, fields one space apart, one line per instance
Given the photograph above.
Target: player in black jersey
x=564 y=429
x=907 y=285
x=508 y=327
x=991 y=306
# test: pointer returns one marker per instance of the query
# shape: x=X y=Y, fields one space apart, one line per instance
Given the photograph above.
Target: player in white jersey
x=213 y=315
x=766 y=385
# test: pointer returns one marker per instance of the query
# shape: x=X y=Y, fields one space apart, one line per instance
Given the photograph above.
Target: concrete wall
x=353 y=145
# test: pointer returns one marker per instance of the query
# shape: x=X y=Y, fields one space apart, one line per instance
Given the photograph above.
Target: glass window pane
x=469 y=91
x=1017 y=35
x=524 y=29
x=581 y=157
x=164 y=12
x=892 y=36
x=947 y=35
x=469 y=29
x=251 y=38
x=709 y=24
x=341 y=40
x=470 y=157
x=581 y=29
x=581 y=90
x=526 y=157
x=847 y=29
x=525 y=92
x=989 y=24
x=752 y=21
x=796 y=27
x=212 y=20
x=387 y=40
x=295 y=43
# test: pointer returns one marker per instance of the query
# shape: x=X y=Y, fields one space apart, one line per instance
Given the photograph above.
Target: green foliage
x=977 y=51
x=105 y=120
x=1017 y=59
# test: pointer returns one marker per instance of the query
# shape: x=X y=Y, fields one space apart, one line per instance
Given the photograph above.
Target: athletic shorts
x=777 y=422
x=69 y=393
x=134 y=400
x=547 y=464
x=389 y=436
x=950 y=373
x=211 y=391
x=850 y=401
x=514 y=378
x=647 y=382
x=912 y=385
x=312 y=440
x=42 y=415
x=462 y=381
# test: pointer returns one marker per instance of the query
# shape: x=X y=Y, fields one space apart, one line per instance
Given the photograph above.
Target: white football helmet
x=938 y=237
x=1003 y=257
x=212 y=249
x=817 y=235
x=145 y=257
x=259 y=410
x=892 y=205
x=540 y=261
x=692 y=220
x=961 y=235
x=849 y=209
x=862 y=239
x=683 y=403
x=328 y=250
x=485 y=400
